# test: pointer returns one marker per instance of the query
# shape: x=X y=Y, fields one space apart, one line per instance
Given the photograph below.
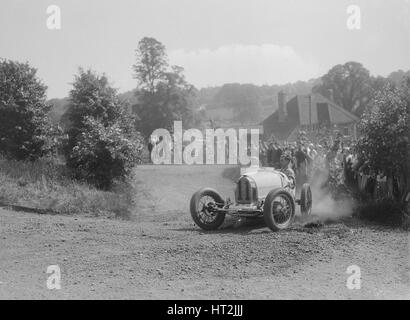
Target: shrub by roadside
x=386 y=212
x=45 y=184
x=103 y=154
x=103 y=144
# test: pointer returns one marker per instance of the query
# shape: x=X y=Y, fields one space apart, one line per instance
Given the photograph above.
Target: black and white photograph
x=204 y=153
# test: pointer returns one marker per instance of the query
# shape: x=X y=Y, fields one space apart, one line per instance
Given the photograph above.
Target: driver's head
x=285 y=159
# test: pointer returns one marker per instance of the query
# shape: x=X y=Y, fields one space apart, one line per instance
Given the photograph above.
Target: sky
x=216 y=41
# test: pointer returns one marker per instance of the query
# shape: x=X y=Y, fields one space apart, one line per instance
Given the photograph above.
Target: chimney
x=330 y=95
x=282 y=112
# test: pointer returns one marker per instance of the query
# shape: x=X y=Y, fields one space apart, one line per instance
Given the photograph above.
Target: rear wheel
x=306 y=200
x=278 y=209
x=203 y=206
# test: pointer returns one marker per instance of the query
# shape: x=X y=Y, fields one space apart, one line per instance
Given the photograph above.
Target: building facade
x=309 y=113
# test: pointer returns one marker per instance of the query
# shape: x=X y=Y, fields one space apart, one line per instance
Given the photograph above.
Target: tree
x=380 y=83
x=385 y=141
x=91 y=96
x=103 y=154
x=397 y=77
x=23 y=104
x=349 y=85
x=163 y=93
x=151 y=64
x=102 y=144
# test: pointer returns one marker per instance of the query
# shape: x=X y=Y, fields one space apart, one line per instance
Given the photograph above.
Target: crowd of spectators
x=322 y=160
x=330 y=160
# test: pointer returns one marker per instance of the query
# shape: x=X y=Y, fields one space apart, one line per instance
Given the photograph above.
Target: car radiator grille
x=245 y=191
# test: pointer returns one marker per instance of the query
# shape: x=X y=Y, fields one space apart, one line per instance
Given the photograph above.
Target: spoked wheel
x=278 y=209
x=306 y=200
x=204 y=209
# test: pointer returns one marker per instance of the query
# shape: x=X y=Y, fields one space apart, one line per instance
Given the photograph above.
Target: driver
x=286 y=169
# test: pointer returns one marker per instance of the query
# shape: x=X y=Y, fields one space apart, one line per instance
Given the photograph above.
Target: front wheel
x=278 y=209
x=203 y=206
x=306 y=200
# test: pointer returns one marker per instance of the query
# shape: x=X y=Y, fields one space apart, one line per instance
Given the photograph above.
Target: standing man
x=287 y=170
x=301 y=163
x=276 y=154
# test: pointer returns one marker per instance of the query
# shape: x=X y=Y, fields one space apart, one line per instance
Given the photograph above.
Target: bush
x=23 y=103
x=384 y=148
x=104 y=153
x=386 y=212
x=385 y=142
x=103 y=144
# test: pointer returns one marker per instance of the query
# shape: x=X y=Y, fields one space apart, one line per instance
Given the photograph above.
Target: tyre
x=278 y=209
x=201 y=206
x=306 y=200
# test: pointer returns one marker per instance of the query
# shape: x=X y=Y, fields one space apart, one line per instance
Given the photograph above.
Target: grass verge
x=47 y=185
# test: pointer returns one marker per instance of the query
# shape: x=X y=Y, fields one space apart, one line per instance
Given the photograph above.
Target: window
x=346 y=131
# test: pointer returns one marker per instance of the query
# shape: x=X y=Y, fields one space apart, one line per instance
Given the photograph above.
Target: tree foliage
x=105 y=153
x=385 y=140
x=103 y=144
x=163 y=93
x=23 y=112
x=350 y=86
x=91 y=96
x=151 y=64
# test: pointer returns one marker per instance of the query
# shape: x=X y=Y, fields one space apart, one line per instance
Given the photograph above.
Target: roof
x=283 y=129
x=336 y=106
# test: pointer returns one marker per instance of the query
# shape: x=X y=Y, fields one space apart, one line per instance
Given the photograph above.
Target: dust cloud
x=324 y=205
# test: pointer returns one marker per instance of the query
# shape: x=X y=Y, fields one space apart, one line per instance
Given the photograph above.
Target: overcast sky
x=216 y=41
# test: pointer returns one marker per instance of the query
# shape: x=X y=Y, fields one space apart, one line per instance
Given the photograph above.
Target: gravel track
x=161 y=254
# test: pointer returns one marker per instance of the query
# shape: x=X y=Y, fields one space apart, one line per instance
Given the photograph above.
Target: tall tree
x=151 y=64
x=163 y=93
x=349 y=85
x=23 y=112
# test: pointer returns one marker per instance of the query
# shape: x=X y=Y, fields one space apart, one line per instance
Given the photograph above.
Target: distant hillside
x=227 y=96
x=267 y=93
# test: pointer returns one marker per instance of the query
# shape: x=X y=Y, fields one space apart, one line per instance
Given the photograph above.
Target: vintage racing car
x=259 y=192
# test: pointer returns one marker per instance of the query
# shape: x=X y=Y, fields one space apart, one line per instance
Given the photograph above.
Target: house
x=309 y=113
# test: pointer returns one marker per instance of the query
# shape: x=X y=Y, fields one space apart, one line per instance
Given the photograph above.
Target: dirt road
x=161 y=254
